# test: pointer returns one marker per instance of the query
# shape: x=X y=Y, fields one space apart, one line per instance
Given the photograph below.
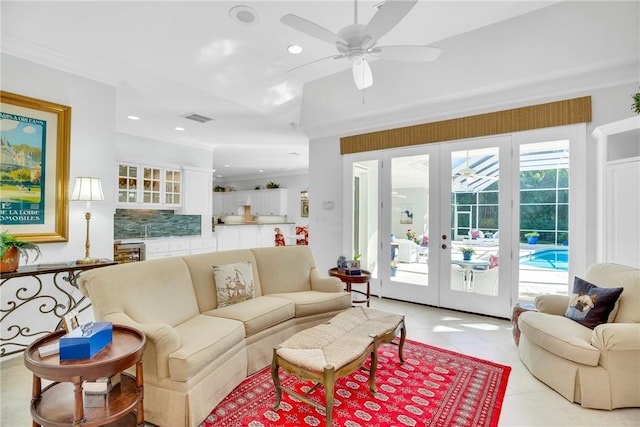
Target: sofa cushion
x=203 y=339
x=154 y=291
x=234 y=283
x=285 y=269
x=591 y=305
x=308 y=303
x=559 y=335
x=257 y=314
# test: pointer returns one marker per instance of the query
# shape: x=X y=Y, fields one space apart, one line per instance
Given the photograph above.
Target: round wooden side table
x=518 y=309
x=61 y=403
x=349 y=279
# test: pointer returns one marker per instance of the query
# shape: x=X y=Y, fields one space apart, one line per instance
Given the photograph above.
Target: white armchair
x=599 y=367
x=408 y=251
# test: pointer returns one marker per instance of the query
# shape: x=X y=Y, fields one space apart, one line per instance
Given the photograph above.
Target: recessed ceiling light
x=245 y=15
x=226 y=166
x=294 y=49
x=179 y=129
x=133 y=117
x=260 y=170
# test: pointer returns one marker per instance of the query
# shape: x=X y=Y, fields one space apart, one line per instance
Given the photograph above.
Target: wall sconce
x=304 y=194
x=87 y=189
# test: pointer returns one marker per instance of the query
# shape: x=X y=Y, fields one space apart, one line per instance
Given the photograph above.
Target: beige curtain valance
x=558 y=113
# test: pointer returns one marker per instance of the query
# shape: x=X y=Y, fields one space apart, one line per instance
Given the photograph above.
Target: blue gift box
x=84 y=344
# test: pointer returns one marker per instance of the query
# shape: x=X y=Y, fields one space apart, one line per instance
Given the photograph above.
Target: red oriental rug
x=434 y=387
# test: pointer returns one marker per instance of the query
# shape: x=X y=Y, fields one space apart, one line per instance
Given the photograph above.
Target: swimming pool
x=557 y=259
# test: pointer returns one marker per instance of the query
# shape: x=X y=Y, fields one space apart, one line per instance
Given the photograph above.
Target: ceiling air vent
x=197 y=118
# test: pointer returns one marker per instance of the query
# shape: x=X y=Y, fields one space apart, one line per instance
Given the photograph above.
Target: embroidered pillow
x=234 y=283
x=590 y=305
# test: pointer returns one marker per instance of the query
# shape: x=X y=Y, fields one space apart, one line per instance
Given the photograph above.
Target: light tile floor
x=528 y=402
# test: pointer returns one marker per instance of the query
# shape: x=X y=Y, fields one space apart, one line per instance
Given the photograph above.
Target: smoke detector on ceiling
x=244 y=14
x=197 y=117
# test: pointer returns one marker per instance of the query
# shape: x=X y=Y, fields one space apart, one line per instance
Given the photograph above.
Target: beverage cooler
x=128 y=252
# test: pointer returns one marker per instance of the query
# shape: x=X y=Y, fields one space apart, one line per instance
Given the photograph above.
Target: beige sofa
x=197 y=352
x=598 y=368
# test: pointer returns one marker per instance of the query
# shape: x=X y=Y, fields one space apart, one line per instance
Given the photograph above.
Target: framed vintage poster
x=304 y=208
x=34 y=175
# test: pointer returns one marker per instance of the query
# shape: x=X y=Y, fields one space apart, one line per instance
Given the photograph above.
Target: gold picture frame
x=304 y=208
x=34 y=199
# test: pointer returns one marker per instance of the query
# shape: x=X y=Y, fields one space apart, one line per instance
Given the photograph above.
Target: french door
x=475 y=211
x=409 y=222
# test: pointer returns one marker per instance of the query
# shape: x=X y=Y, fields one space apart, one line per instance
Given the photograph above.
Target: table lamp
x=87 y=188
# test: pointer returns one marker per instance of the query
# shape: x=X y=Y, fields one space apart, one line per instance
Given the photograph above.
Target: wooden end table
x=348 y=280
x=518 y=309
x=61 y=403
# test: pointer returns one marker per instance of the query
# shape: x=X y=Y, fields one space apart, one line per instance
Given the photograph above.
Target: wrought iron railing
x=34 y=300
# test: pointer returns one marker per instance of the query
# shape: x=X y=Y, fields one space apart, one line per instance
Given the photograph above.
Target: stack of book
x=96 y=393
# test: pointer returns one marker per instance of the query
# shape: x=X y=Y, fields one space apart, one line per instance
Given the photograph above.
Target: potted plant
x=466 y=253
x=394 y=268
x=532 y=237
x=272 y=184
x=11 y=249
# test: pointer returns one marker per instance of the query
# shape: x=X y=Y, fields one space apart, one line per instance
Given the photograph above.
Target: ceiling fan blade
x=310 y=28
x=362 y=73
x=388 y=16
x=406 y=53
x=314 y=61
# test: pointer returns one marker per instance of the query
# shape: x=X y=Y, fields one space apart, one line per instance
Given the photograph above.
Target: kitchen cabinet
x=178 y=246
x=262 y=202
x=197 y=199
x=247 y=236
x=269 y=202
x=148 y=187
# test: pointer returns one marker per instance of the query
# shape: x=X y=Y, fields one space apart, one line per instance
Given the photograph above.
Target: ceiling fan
x=356 y=42
x=469 y=173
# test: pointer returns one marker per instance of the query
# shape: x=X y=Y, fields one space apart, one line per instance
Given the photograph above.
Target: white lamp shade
x=362 y=73
x=87 y=188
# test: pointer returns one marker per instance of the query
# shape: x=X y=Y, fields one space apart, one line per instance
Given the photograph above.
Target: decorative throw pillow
x=234 y=283
x=590 y=305
x=494 y=261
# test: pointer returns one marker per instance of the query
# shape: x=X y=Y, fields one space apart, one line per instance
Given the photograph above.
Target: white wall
x=326 y=185
x=92 y=153
x=325 y=162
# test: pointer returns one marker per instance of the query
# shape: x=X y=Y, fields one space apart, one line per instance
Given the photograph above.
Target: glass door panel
x=409 y=220
x=475 y=210
x=543 y=259
x=365 y=224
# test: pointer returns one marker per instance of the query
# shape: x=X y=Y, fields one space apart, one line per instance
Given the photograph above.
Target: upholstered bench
x=335 y=349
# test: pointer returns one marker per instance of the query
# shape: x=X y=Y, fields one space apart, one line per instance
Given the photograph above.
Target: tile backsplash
x=148 y=223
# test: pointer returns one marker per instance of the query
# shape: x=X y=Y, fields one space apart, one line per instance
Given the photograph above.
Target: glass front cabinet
x=148 y=186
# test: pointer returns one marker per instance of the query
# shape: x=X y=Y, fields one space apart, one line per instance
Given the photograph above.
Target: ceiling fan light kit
x=355 y=42
x=362 y=73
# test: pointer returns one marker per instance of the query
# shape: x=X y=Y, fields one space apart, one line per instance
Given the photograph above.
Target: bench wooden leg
x=329 y=389
x=276 y=379
x=372 y=371
x=403 y=335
